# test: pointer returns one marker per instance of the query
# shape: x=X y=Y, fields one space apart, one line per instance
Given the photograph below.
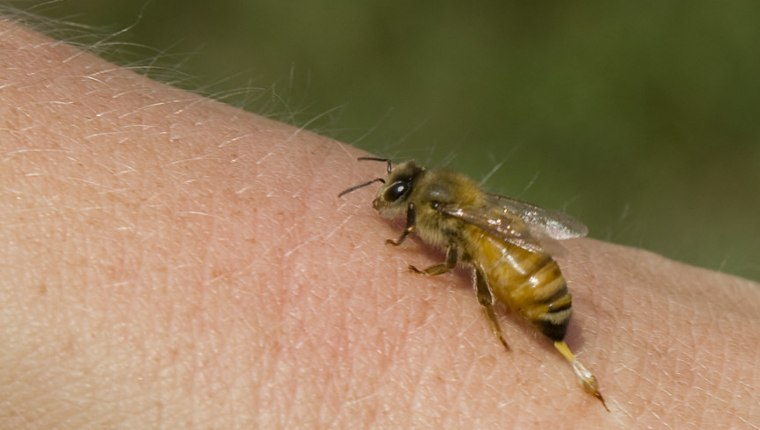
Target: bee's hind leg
x=486 y=300
x=439 y=269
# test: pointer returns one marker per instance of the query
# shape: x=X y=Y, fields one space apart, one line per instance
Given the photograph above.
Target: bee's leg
x=486 y=300
x=410 y=222
x=438 y=269
x=588 y=381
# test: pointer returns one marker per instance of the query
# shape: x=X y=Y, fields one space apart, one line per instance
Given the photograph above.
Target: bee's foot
x=416 y=270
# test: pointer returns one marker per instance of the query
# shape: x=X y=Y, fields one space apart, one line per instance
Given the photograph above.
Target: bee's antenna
x=384 y=160
x=356 y=187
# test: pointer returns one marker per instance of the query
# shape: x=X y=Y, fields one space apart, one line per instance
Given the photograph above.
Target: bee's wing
x=500 y=223
x=519 y=223
x=543 y=223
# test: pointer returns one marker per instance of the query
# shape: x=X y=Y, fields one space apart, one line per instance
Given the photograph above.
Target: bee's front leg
x=438 y=269
x=410 y=222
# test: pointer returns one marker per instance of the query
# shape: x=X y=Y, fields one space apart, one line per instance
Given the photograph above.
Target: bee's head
x=397 y=187
x=393 y=197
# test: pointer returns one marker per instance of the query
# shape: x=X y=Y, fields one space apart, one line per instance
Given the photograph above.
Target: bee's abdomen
x=536 y=288
x=530 y=283
x=554 y=322
x=550 y=305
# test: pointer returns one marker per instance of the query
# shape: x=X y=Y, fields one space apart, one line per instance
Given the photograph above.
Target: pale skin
x=170 y=262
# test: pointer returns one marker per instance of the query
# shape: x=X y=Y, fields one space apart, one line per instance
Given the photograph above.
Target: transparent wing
x=498 y=222
x=541 y=222
x=519 y=223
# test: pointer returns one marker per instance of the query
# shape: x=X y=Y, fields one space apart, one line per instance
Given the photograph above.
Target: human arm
x=171 y=261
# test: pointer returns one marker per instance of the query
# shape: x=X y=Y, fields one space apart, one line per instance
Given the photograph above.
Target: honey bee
x=499 y=237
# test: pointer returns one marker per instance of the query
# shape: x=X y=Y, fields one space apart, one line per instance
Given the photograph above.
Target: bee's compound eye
x=396 y=191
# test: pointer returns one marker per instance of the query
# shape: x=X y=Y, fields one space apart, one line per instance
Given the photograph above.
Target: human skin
x=167 y=261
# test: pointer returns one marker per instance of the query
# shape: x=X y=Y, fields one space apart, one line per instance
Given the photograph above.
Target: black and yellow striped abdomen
x=530 y=283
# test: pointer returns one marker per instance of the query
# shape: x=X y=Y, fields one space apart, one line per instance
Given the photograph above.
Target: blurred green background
x=640 y=118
